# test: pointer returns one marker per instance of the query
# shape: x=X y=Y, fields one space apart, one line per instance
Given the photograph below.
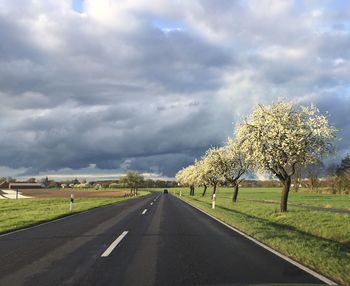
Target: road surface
x=154 y=240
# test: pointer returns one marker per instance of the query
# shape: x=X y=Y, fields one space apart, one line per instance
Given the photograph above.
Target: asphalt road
x=169 y=244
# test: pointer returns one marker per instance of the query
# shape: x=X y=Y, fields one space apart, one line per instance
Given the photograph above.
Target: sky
x=98 y=87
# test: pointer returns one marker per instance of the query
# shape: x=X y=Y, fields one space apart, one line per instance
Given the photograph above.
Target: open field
x=82 y=193
x=317 y=239
x=15 y=214
x=304 y=196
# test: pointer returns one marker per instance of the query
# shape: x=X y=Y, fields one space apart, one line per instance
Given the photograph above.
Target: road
x=162 y=241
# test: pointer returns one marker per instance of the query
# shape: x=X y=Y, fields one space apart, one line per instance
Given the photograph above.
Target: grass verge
x=319 y=240
x=17 y=214
x=304 y=196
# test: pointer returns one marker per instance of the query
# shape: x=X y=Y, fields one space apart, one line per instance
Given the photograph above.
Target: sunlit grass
x=274 y=194
x=15 y=214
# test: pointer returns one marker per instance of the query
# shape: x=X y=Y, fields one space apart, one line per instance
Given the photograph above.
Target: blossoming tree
x=212 y=167
x=234 y=165
x=201 y=178
x=280 y=136
x=186 y=177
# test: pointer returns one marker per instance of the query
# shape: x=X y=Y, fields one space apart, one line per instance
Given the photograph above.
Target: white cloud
x=338 y=61
x=276 y=53
x=151 y=84
x=316 y=13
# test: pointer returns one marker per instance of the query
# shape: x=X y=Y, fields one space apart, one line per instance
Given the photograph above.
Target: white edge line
x=62 y=218
x=144 y=211
x=297 y=264
x=114 y=244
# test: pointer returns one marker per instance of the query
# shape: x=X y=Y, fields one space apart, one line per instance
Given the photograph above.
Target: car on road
x=165 y=191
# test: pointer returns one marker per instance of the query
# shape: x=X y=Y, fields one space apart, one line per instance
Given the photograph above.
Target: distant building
x=26 y=186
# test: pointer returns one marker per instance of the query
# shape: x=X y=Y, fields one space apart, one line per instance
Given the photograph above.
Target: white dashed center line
x=114 y=244
x=144 y=211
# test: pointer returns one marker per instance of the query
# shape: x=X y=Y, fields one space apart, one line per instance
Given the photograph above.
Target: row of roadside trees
x=279 y=138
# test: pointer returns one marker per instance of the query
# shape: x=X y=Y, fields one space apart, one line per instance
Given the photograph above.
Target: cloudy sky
x=101 y=86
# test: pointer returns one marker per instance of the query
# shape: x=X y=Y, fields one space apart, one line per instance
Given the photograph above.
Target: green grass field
x=15 y=214
x=92 y=189
x=317 y=239
x=273 y=194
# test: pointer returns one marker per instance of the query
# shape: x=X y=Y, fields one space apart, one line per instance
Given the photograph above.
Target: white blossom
x=279 y=136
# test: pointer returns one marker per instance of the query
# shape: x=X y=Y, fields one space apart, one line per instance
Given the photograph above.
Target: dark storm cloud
x=337 y=106
x=109 y=88
x=107 y=136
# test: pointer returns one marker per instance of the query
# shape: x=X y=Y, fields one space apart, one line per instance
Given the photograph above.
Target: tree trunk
x=296 y=184
x=297 y=178
x=192 y=190
x=214 y=190
x=204 y=190
x=285 y=193
x=235 y=193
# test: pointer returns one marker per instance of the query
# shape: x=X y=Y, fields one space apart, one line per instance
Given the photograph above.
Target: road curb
x=290 y=260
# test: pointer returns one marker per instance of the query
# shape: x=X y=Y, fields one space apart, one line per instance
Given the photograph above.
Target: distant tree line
x=334 y=178
x=131 y=179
